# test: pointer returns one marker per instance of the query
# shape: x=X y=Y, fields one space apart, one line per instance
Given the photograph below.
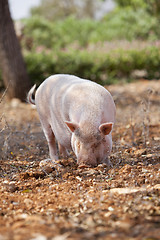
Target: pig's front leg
x=108 y=162
x=51 y=141
x=63 y=151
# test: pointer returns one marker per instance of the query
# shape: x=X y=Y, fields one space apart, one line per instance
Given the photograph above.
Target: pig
x=77 y=113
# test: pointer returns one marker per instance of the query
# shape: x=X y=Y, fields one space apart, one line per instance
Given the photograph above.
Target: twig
x=146 y=119
x=3 y=95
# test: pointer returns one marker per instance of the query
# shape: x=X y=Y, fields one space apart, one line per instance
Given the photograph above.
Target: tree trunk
x=12 y=65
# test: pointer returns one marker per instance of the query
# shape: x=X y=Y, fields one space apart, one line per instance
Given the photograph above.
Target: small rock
x=28 y=202
x=39 y=237
x=61 y=237
x=101 y=166
x=12 y=188
x=157 y=186
x=126 y=169
x=49 y=163
x=15 y=102
x=25 y=175
x=140 y=152
x=48 y=169
x=18 y=224
x=45 y=162
x=110 y=209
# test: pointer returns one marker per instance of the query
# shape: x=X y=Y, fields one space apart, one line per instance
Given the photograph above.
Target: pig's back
x=69 y=95
x=84 y=99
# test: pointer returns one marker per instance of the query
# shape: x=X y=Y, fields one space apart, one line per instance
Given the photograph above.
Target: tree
x=12 y=65
x=151 y=6
x=59 y=10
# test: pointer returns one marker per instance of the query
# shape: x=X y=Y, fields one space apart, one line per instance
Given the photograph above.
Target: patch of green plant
x=130 y=24
x=122 y=23
x=59 y=34
x=103 y=68
x=97 y=65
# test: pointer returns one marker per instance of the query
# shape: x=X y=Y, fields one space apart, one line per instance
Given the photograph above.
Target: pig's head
x=91 y=146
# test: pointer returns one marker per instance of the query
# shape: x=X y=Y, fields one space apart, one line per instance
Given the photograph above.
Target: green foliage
x=54 y=10
x=69 y=45
x=95 y=65
x=119 y=24
x=135 y=4
x=150 y=6
x=130 y=24
x=57 y=34
x=39 y=66
x=99 y=65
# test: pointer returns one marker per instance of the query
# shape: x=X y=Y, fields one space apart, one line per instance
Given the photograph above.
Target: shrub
x=96 y=65
x=59 y=34
x=100 y=65
x=39 y=66
x=122 y=23
x=127 y=23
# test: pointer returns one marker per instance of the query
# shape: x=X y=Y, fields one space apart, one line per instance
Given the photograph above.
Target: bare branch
x=3 y=95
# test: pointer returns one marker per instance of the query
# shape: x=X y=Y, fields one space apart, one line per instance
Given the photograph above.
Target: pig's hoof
x=84 y=166
x=48 y=162
x=45 y=162
x=108 y=162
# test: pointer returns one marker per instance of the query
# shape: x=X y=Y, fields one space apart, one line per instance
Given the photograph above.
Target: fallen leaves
x=42 y=200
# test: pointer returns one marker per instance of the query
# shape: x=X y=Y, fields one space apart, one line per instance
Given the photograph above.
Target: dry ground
x=64 y=202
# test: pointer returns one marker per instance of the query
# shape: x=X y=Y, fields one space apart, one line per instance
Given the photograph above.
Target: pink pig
x=79 y=114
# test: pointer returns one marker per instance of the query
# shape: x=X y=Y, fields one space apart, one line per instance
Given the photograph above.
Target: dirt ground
x=46 y=202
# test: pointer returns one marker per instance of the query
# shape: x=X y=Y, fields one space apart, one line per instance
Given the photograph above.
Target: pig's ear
x=105 y=128
x=72 y=126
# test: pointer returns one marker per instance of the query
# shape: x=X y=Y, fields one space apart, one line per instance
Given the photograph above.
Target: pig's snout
x=86 y=162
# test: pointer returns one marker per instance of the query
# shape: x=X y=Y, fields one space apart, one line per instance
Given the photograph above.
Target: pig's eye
x=78 y=146
x=98 y=137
